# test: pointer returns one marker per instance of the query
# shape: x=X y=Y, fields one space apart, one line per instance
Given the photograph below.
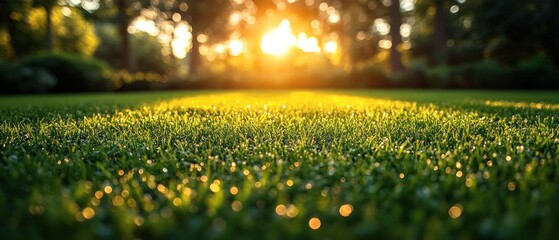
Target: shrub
x=441 y=76
x=8 y=77
x=368 y=75
x=536 y=72
x=486 y=74
x=34 y=80
x=415 y=76
x=75 y=73
x=480 y=74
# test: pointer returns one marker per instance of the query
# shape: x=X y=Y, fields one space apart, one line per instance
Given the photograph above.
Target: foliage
x=13 y=19
x=139 y=81
x=415 y=76
x=35 y=80
x=537 y=73
x=17 y=79
x=8 y=80
x=539 y=69
x=109 y=49
x=470 y=44
x=486 y=74
x=525 y=30
x=441 y=75
x=146 y=57
x=261 y=165
x=72 y=33
x=5 y=49
x=367 y=76
x=75 y=73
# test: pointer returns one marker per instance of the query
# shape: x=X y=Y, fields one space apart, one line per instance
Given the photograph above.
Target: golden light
x=66 y=11
x=281 y=40
x=176 y=17
x=455 y=211
x=307 y=44
x=145 y=25
x=334 y=18
x=220 y=48
x=202 y=38
x=386 y=44
x=117 y=201
x=346 y=210
x=235 y=18
x=292 y=211
x=182 y=42
x=88 y=213
x=139 y=221
x=314 y=223
x=331 y=47
x=236 y=47
x=234 y=190
x=278 y=41
x=204 y=50
x=236 y=205
x=511 y=186
x=289 y=182
x=281 y=210
x=98 y=194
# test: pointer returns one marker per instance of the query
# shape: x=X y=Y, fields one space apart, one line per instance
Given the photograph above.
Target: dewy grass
x=280 y=165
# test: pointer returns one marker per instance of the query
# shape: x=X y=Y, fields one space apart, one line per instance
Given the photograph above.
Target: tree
x=395 y=24
x=70 y=33
x=13 y=17
x=47 y=5
x=512 y=30
x=201 y=15
x=123 y=13
x=440 y=33
x=124 y=19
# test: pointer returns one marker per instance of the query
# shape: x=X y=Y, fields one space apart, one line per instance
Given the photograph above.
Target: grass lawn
x=280 y=165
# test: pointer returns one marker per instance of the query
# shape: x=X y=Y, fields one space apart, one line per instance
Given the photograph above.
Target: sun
x=281 y=40
x=278 y=41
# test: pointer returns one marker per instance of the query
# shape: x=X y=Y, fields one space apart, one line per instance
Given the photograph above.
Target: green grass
x=261 y=165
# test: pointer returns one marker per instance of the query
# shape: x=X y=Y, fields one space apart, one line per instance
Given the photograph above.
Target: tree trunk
x=17 y=39
x=439 y=42
x=12 y=31
x=345 y=37
x=123 y=22
x=194 y=55
x=395 y=24
x=49 y=34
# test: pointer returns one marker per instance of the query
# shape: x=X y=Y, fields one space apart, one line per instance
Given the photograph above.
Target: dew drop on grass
x=511 y=186
x=292 y=211
x=345 y=210
x=281 y=210
x=139 y=221
x=455 y=211
x=314 y=223
x=88 y=213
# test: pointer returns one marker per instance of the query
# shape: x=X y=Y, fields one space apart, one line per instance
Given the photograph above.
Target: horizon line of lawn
x=419 y=95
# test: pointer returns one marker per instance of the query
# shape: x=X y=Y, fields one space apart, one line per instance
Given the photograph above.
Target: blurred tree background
x=105 y=45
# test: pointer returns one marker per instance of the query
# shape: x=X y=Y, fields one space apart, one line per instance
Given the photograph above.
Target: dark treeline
x=108 y=45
